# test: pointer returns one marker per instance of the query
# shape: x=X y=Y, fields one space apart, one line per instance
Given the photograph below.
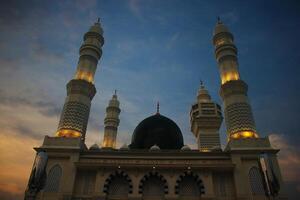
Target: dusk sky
x=154 y=50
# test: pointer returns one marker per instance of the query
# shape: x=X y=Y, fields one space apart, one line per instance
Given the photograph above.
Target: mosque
x=157 y=164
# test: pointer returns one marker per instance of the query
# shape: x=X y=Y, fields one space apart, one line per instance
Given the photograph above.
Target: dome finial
x=219 y=20
x=115 y=92
x=98 y=20
x=201 y=84
x=157 y=108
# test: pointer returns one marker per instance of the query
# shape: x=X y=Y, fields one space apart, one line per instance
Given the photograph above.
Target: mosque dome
x=124 y=147
x=154 y=148
x=94 y=147
x=157 y=130
x=185 y=148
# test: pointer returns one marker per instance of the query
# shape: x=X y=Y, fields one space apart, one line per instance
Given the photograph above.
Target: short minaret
x=81 y=90
x=238 y=114
x=206 y=119
x=111 y=123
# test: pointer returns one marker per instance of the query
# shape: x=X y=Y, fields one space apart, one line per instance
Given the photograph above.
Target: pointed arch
x=188 y=183
x=118 y=185
x=53 y=179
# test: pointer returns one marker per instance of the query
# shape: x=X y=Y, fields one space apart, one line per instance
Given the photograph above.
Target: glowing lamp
x=244 y=134
x=67 y=133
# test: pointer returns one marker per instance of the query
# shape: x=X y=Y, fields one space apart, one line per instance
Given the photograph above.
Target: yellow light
x=67 y=133
x=229 y=76
x=220 y=42
x=83 y=75
x=108 y=142
x=205 y=150
x=244 y=134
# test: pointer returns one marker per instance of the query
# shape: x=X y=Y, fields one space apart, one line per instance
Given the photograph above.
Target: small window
x=256 y=181
x=53 y=179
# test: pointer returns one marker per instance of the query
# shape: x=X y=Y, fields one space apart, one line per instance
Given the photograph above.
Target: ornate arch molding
x=196 y=178
x=151 y=174
x=111 y=178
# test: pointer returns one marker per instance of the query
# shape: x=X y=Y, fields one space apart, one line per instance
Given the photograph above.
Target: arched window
x=118 y=188
x=153 y=188
x=188 y=188
x=256 y=181
x=53 y=179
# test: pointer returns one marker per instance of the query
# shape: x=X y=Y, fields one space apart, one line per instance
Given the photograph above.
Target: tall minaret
x=206 y=119
x=238 y=114
x=111 y=123
x=81 y=90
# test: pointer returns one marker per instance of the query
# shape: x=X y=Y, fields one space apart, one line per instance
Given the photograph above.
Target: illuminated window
x=53 y=179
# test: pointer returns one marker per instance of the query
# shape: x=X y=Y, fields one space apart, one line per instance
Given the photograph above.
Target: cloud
x=173 y=40
x=15 y=164
x=289 y=162
x=44 y=106
x=134 y=6
x=289 y=157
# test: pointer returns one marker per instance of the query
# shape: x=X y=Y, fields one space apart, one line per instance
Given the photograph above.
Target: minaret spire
x=81 y=90
x=206 y=119
x=157 y=108
x=111 y=122
x=238 y=113
x=219 y=20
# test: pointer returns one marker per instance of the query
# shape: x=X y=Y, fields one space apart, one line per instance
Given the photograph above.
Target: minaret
x=81 y=90
x=238 y=114
x=206 y=119
x=111 y=122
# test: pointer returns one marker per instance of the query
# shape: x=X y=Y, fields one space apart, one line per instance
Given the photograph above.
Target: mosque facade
x=157 y=164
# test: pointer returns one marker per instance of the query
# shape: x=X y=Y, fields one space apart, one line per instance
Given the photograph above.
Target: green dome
x=157 y=130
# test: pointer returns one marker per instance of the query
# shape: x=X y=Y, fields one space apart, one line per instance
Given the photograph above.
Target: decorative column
x=81 y=90
x=238 y=113
x=111 y=123
x=206 y=119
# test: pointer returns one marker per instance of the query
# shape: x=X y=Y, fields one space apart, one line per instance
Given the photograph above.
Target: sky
x=154 y=51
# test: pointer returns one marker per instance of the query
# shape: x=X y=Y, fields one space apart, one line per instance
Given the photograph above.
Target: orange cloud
x=16 y=158
x=288 y=157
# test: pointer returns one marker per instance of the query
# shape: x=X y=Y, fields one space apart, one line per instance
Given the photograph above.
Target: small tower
x=238 y=113
x=111 y=123
x=206 y=119
x=81 y=90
